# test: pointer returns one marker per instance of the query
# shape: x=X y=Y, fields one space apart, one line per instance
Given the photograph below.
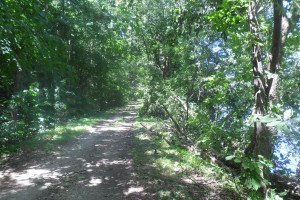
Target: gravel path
x=96 y=165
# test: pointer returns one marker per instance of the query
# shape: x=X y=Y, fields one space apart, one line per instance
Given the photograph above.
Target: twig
x=177 y=126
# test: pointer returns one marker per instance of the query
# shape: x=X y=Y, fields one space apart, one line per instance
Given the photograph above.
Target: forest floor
x=108 y=162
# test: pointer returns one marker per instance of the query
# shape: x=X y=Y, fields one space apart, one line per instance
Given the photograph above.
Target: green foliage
x=252 y=174
x=59 y=59
x=47 y=140
x=172 y=170
x=197 y=75
x=230 y=17
x=188 y=60
x=24 y=107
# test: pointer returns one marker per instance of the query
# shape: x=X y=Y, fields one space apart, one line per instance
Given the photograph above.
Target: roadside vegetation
x=218 y=81
x=49 y=140
x=173 y=171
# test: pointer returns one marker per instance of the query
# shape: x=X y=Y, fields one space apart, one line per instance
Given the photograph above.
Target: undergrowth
x=47 y=140
x=175 y=172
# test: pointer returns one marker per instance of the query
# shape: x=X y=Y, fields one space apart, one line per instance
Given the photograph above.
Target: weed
x=174 y=172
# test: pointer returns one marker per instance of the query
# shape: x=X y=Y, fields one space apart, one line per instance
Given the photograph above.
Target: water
x=287 y=149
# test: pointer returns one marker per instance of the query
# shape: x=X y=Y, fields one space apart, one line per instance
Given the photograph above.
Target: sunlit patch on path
x=97 y=165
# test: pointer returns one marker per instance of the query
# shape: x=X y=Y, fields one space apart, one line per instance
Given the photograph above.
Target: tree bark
x=265 y=80
x=265 y=84
x=17 y=88
x=258 y=80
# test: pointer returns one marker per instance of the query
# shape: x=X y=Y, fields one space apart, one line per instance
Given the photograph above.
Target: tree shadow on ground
x=156 y=166
x=97 y=165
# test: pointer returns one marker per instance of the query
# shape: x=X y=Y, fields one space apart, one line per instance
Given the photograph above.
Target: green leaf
x=268 y=119
x=274 y=123
x=252 y=184
x=283 y=127
x=237 y=160
x=230 y=157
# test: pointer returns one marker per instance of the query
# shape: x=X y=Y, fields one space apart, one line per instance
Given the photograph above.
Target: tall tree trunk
x=16 y=90
x=265 y=84
x=51 y=99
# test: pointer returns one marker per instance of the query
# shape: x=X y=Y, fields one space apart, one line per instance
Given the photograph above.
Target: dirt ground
x=96 y=165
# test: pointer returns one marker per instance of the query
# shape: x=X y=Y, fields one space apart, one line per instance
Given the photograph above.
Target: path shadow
x=97 y=165
x=181 y=185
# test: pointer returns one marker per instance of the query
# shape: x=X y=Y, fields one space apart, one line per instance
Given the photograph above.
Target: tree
x=265 y=78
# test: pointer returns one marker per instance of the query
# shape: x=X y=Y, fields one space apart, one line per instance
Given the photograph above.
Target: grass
x=174 y=172
x=48 y=140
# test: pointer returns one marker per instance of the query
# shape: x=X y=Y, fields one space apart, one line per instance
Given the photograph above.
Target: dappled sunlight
x=113 y=125
x=92 y=129
x=107 y=162
x=94 y=182
x=176 y=173
x=101 y=145
x=81 y=159
x=62 y=157
x=105 y=140
x=118 y=129
x=28 y=177
x=134 y=99
x=129 y=117
x=99 y=159
x=45 y=186
x=114 y=162
x=132 y=190
x=132 y=113
x=143 y=137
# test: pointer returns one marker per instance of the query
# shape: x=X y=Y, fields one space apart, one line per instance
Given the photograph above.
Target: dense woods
x=59 y=59
x=223 y=75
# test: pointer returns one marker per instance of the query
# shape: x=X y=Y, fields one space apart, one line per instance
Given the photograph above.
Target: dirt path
x=96 y=165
